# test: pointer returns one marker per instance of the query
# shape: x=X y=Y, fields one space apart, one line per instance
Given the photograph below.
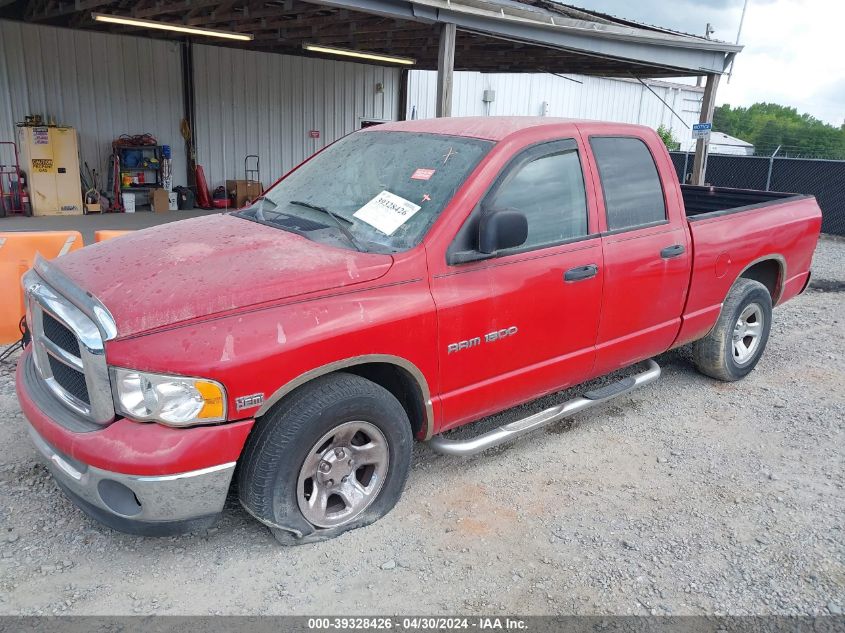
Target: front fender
x=261 y=354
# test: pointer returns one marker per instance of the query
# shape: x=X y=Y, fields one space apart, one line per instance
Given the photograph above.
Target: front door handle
x=581 y=272
x=672 y=251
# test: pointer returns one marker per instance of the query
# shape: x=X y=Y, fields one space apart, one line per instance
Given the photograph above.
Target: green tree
x=769 y=125
x=667 y=137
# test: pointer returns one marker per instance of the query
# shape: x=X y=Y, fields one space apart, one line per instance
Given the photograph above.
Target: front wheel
x=332 y=456
x=734 y=346
x=343 y=474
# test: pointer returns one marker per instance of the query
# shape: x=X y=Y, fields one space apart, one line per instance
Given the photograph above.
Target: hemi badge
x=247 y=402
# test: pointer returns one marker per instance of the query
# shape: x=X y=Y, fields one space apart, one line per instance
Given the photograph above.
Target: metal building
x=247 y=102
x=721 y=143
x=286 y=87
x=651 y=102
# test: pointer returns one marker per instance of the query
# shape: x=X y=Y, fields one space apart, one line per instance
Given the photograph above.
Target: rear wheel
x=734 y=346
x=331 y=457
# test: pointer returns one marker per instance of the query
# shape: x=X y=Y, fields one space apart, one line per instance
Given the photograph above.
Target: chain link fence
x=824 y=179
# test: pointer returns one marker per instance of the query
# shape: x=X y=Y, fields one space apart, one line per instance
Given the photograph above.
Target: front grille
x=57 y=332
x=69 y=379
x=68 y=351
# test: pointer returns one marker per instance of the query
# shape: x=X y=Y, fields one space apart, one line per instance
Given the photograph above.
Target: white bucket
x=129 y=202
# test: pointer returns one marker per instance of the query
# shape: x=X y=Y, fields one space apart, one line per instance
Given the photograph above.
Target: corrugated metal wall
x=266 y=104
x=620 y=100
x=246 y=102
x=103 y=85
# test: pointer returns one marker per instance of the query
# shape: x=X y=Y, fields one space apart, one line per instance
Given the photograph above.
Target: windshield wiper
x=346 y=232
x=259 y=212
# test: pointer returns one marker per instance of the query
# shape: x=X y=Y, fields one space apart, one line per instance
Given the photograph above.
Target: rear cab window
x=633 y=193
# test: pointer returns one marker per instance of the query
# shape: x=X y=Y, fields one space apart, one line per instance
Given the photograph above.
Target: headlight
x=171 y=400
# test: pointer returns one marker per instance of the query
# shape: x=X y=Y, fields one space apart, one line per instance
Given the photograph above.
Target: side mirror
x=499 y=229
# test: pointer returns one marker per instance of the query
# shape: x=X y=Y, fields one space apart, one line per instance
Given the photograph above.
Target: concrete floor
x=87 y=224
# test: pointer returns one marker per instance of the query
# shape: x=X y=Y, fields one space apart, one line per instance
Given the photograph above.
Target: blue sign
x=701 y=130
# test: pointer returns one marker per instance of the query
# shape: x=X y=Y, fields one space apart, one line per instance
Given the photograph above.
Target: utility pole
x=708 y=104
x=738 y=34
x=741 y=20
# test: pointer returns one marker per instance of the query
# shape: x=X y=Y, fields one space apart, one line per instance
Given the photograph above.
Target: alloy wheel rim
x=747 y=334
x=342 y=474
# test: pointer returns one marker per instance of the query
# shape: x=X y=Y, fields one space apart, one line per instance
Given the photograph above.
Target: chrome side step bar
x=513 y=430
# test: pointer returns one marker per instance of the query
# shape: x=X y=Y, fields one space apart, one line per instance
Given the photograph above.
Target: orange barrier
x=17 y=254
x=102 y=236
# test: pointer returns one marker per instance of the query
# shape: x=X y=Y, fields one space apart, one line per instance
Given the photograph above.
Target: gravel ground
x=687 y=497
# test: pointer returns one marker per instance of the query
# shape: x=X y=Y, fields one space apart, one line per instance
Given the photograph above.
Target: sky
x=793 y=52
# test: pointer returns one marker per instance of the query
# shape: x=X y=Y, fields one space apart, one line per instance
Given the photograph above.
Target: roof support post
x=445 y=69
x=189 y=110
x=708 y=105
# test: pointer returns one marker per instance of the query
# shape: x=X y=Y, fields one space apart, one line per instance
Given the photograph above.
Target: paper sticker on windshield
x=387 y=212
x=422 y=174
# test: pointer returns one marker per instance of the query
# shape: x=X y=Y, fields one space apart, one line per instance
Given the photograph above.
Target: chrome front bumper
x=137 y=504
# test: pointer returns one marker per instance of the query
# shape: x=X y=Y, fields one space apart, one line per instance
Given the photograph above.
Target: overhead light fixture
x=166 y=26
x=345 y=52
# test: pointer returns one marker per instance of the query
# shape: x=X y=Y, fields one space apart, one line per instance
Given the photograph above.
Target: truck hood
x=193 y=268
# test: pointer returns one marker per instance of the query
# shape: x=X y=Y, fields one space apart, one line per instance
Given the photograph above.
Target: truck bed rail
x=708 y=202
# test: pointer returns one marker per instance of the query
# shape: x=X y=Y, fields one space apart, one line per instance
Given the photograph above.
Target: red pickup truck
x=409 y=278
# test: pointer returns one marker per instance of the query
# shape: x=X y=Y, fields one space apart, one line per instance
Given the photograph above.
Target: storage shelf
x=140 y=153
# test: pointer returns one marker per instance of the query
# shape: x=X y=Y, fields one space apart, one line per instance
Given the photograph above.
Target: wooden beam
x=48 y=10
x=162 y=8
x=708 y=104
x=373 y=36
x=315 y=25
x=445 y=69
x=225 y=13
x=33 y=10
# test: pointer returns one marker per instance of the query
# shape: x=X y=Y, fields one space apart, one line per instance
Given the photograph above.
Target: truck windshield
x=373 y=191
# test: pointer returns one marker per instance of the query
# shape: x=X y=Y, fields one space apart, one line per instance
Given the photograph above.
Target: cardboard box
x=159 y=200
x=243 y=192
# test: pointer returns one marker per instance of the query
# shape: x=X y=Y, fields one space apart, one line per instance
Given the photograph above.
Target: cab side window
x=633 y=194
x=547 y=185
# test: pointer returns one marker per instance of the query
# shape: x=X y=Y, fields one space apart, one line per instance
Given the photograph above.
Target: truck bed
x=708 y=202
x=732 y=230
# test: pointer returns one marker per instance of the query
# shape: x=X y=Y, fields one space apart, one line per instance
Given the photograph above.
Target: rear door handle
x=672 y=251
x=581 y=272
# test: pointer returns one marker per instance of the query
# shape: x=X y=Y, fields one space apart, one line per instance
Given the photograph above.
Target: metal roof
x=720 y=138
x=590 y=34
x=492 y=35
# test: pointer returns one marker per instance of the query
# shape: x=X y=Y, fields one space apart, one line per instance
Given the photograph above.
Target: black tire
x=715 y=355
x=269 y=469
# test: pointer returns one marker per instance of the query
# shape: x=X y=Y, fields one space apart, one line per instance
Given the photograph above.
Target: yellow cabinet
x=50 y=158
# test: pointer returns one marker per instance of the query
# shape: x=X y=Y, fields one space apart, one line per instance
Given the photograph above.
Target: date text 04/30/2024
x=417 y=623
